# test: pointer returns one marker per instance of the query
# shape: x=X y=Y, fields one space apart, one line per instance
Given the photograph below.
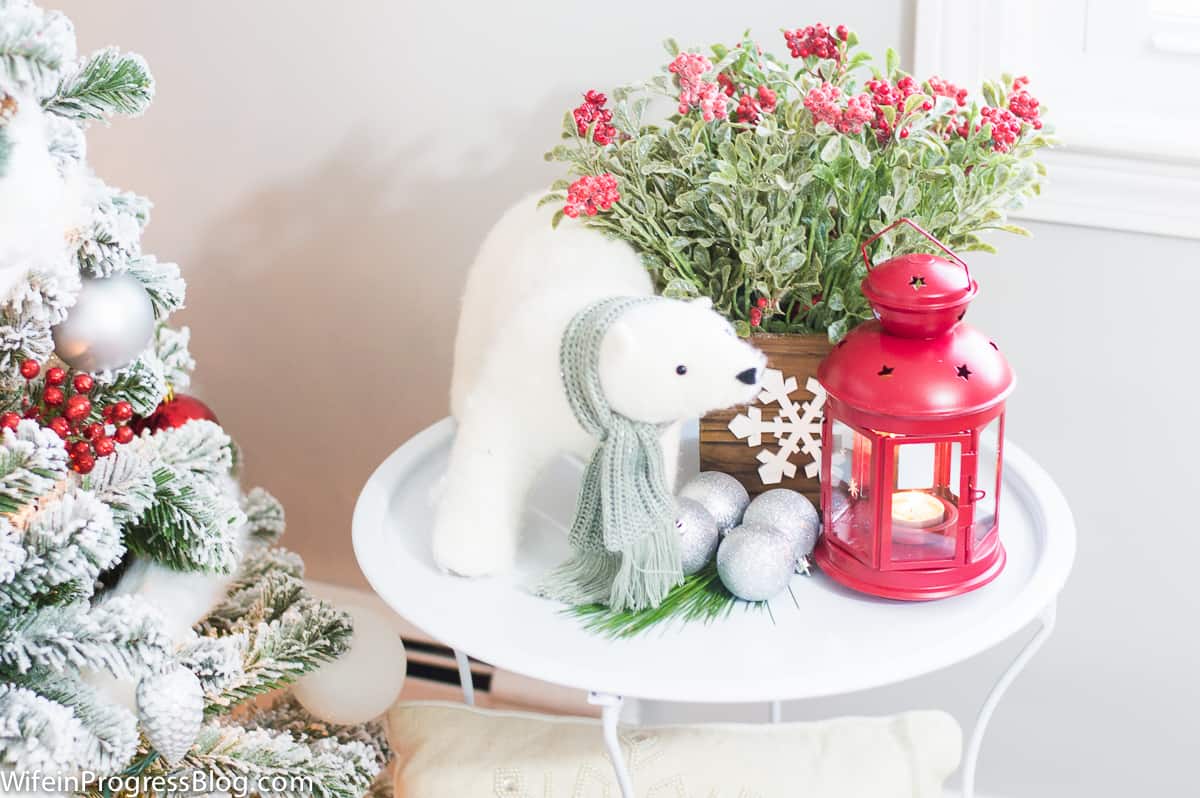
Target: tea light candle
x=916 y=509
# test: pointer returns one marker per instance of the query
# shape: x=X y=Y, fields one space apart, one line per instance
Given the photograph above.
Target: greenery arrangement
x=700 y=597
x=759 y=188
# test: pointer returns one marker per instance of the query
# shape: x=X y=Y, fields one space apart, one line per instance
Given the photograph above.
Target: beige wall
x=323 y=173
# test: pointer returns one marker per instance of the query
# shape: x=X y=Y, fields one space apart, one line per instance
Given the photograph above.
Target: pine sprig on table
x=701 y=597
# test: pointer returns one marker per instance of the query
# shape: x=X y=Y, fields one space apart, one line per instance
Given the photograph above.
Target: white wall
x=323 y=173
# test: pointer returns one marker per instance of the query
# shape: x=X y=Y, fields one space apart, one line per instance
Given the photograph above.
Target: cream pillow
x=454 y=751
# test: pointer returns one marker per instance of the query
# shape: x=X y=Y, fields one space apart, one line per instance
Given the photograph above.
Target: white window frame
x=1118 y=181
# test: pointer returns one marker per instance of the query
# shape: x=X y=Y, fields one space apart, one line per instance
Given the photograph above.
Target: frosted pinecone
x=171 y=708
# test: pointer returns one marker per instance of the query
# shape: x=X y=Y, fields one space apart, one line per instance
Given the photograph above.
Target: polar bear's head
x=671 y=360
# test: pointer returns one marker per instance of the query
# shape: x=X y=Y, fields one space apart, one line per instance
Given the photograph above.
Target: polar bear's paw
x=470 y=542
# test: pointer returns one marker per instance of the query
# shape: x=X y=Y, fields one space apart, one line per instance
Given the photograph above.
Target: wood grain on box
x=796 y=356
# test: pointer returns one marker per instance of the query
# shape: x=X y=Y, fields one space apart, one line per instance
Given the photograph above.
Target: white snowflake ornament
x=170 y=707
x=797 y=428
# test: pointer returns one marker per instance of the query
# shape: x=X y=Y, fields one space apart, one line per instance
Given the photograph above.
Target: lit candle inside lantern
x=916 y=509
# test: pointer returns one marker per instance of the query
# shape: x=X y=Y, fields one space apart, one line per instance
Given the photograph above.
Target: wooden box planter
x=757 y=455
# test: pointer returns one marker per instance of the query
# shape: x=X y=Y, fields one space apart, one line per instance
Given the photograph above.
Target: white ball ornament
x=365 y=681
x=109 y=325
x=723 y=496
x=791 y=513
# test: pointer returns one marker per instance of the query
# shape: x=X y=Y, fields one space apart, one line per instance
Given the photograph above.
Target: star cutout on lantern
x=964 y=372
x=917 y=282
x=886 y=371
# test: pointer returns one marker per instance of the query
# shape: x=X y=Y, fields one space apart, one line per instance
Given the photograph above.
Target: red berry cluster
x=65 y=408
x=816 y=40
x=726 y=84
x=1023 y=104
x=591 y=194
x=1005 y=127
x=883 y=94
x=944 y=88
x=756 y=312
x=751 y=107
x=593 y=111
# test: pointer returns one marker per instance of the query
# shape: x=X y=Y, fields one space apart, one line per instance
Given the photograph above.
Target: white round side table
x=836 y=642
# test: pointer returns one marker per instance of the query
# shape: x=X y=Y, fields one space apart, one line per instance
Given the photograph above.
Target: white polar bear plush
x=660 y=362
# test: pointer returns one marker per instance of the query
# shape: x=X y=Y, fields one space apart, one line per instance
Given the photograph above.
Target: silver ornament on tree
x=755 y=562
x=110 y=324
x=170 y=707
x=698 y=535
x=723 y=496
x=791 y=513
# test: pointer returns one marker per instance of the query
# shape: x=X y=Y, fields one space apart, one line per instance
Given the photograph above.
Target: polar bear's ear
x=703 y=301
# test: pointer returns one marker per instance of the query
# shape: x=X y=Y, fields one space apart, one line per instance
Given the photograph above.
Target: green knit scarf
x=626 y=548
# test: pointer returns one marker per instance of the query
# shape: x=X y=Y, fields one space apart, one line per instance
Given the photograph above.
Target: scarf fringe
x=586 y=578
x=647 y=571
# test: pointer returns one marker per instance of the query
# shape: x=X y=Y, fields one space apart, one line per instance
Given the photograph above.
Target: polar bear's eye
x=681 y=370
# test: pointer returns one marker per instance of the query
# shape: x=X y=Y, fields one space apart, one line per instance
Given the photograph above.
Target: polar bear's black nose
x=749 y=376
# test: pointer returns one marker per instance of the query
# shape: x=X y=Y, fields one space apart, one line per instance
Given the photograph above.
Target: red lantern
x=910 y=496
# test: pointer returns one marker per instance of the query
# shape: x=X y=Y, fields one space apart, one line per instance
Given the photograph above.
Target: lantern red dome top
x=918 y=360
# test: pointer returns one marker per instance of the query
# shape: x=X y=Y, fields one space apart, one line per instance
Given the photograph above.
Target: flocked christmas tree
x=143 y=602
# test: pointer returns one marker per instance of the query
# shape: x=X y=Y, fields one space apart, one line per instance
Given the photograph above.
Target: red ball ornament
x=9 y=420
x=174 y=412
x=80 y=448
x=83 y=463
x=123 y=434
x=55 y=376
x=83 y=383
x=93 y=431
x=104 y=446
x=60 y=426
x=53 y=396
x=30 y=369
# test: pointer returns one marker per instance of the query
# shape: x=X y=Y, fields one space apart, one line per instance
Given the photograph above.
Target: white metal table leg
x=1022 y=659
x=465 y=678
x=610 y=716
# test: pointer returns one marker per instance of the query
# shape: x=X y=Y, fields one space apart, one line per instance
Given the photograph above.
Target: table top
x=826 y=641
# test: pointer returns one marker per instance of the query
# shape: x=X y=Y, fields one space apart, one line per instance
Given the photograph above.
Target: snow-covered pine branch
x=191 y=525
x=67 y=543
x=124 y=481
x=245 y=592
x=216 y=661
x=59 y=724
x=113 y=235
x=162 y=282
x=332 y=769
x=200 y=448
x=288 y=634
x=106 y=83
x=142 y=384
x=171 y=345
x=265 y=519
x=289 y=715
x=123 y=636
x=35 y=46
x=32 y=460
x=31 y=309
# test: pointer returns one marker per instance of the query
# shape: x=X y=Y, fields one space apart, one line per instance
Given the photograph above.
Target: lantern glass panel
x=923 y=515
x=851 y=467
x=987 y=485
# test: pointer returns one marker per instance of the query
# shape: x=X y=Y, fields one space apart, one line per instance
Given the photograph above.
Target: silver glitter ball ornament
x=791 y=513
x=755 y=562
x=698 y=535
x=720 y=494
x=109 y=325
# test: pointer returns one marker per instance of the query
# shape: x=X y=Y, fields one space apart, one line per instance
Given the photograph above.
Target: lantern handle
x=922 y=231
